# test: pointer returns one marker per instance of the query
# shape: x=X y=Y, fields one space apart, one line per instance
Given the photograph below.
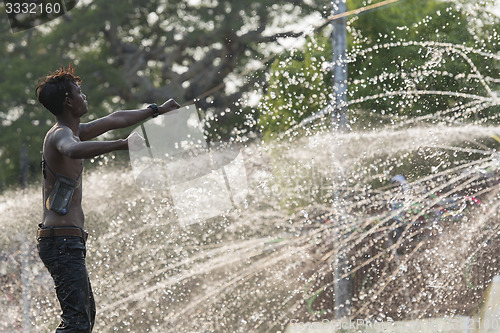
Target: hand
x=136 y=142
x=168 y=106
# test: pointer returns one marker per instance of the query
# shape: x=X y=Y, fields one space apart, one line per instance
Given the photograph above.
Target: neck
x=71 y=122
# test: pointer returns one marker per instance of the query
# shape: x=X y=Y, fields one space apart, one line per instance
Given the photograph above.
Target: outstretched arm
x=67 y=144
x=121 y=119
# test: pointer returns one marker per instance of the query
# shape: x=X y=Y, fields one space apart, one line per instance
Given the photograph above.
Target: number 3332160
x=32 y=8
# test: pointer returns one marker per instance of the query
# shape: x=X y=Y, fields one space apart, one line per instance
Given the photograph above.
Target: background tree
x=397 y=53
x=299 y=85
x=137 y=52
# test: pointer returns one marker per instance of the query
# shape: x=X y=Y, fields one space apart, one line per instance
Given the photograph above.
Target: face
x=78 y=100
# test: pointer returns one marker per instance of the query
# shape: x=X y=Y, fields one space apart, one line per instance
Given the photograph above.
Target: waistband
x=62 y=231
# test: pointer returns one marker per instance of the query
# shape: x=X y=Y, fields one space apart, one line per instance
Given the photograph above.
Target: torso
x=68 y=167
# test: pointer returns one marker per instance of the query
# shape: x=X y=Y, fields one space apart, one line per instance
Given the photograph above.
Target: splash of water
x=257 y=267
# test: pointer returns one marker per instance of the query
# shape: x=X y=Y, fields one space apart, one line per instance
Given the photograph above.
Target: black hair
x=54 y=88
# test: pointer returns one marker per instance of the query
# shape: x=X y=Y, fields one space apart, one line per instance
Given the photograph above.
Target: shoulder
x=60 y=136
x=62 y=132
x=53 y=139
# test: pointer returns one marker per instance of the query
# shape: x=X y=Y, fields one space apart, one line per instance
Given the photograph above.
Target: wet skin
x=65 y=146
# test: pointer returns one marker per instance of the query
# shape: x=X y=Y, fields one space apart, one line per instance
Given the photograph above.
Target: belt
x=49 y=232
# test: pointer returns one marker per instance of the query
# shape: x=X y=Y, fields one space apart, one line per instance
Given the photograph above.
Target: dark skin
x=65 y=146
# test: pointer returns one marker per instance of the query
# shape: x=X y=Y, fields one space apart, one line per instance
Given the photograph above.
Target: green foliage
x=299 y=85
x=415 y=46
x=132 y=53
x=410 y=59
x=143 y=51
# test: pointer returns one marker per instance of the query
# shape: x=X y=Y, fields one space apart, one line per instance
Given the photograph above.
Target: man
x=61 y=236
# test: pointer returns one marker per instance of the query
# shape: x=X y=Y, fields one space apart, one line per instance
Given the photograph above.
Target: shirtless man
x=61 y=236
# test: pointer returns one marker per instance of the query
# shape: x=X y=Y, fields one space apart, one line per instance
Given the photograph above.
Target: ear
x=67 y=102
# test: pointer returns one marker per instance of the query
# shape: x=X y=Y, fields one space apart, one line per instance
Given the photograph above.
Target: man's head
x=57 y=88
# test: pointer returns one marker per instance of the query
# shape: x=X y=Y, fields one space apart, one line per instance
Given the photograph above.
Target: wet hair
x=54 y=88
